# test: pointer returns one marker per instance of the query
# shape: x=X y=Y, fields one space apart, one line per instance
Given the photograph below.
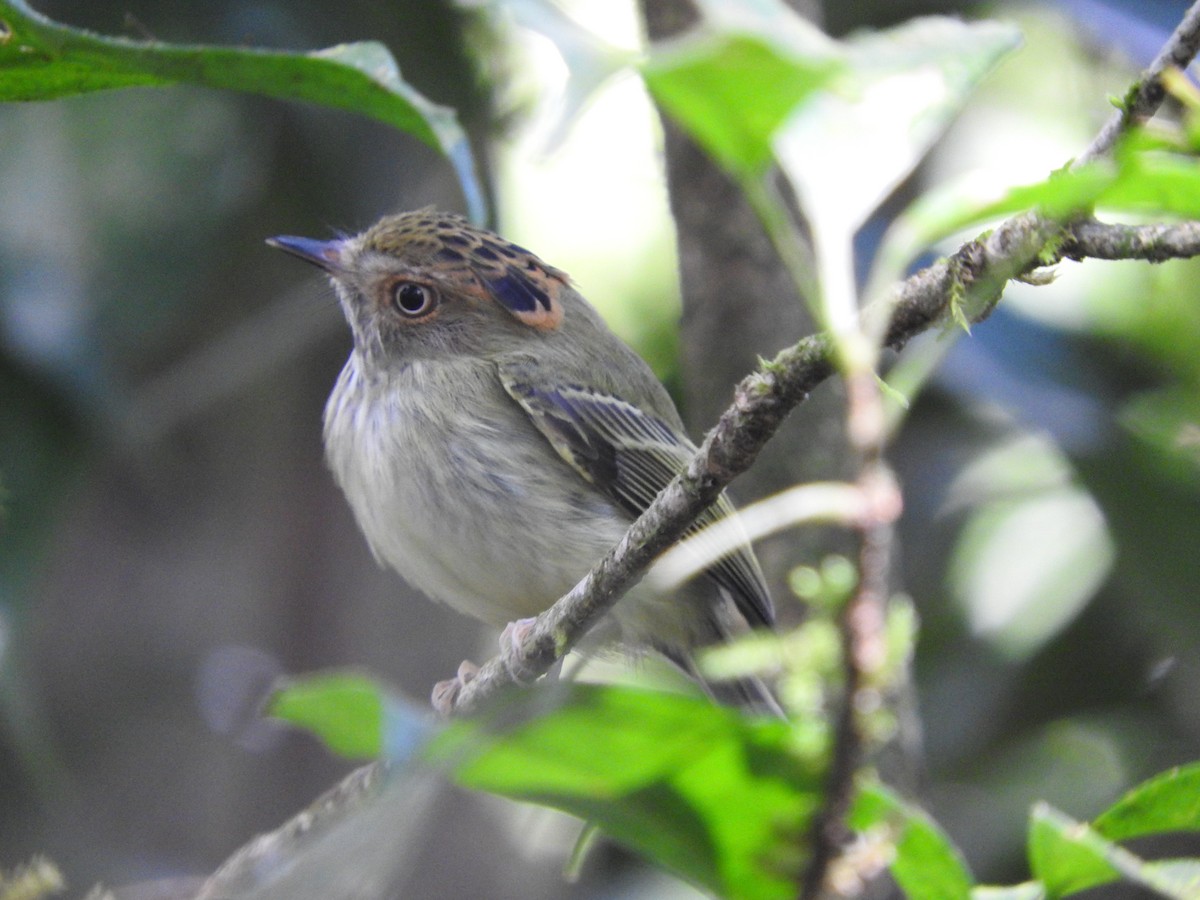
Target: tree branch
x=975 y=275
x=1144 y=97
x=1153 y=243
x=980 y=269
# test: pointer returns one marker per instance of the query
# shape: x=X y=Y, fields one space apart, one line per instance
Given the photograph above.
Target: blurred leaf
x=847 y=150
x=346 y=711
x=1135 y=180
x=1175 y=877
x=703 y=791
x=1167 y=802
x=734 y=81
x=1064 y=854
x=33 y=880
x=590 y=61
x=1018 y=608
x=927 y=866
x=43 y=60
x=356 y=840
x=1069 y=856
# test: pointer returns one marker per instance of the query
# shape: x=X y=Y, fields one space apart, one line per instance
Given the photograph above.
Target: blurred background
x=170 y=541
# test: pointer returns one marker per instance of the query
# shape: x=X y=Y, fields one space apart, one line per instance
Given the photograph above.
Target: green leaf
x=345 y=710
x=43 y=60
x=1066 y=855
x=1137 y=180
x=927 y=866
x=702 y=791
x=1069 y=856
x=1167 y=802
x=733 y=82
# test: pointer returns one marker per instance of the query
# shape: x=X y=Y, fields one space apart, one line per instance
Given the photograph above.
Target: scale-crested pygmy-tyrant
x=495 y=439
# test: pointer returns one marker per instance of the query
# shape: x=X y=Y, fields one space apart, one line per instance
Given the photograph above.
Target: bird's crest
x=475 y=261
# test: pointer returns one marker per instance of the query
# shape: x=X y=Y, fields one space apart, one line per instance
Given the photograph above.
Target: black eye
x=413 y=299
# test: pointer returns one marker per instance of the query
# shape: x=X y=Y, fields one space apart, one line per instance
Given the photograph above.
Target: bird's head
x=427 y=283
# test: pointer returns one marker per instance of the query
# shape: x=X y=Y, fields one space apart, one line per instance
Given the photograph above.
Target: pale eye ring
x=412 y=299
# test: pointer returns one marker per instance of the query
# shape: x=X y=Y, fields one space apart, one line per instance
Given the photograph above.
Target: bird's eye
x=412 y=299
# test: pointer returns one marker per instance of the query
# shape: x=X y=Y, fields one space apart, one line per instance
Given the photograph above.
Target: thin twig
x=864 y=654
x=1144 y=97
x=978 y=272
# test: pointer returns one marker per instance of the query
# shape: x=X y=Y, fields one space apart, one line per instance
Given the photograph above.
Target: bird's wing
x=631 y=456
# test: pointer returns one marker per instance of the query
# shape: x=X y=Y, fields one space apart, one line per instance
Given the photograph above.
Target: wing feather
x=632 y=455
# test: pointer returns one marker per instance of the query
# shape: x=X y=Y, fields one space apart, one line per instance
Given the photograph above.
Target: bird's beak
x=326 y=254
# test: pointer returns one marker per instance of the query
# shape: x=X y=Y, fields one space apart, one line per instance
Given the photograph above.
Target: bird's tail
x=748 y=693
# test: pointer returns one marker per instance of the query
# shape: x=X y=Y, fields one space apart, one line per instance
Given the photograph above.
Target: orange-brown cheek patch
x=530 y=295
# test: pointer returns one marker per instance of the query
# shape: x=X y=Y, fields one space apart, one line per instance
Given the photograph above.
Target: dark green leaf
x=346 y=711
x=699 y=789
x=42 y=60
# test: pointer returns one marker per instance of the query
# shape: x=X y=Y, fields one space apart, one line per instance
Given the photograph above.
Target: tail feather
x=749 y=694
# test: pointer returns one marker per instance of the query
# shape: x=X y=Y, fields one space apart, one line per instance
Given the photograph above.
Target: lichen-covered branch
x=1090 y=239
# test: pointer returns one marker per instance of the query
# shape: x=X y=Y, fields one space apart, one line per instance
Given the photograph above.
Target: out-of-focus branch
x=1145 y=95
x=1090 y=239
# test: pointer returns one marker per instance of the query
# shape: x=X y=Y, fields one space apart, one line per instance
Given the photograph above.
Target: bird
x=494 y=438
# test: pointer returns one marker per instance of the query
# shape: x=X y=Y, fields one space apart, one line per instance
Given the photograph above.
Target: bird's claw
x=512 y=639
x=445 y=693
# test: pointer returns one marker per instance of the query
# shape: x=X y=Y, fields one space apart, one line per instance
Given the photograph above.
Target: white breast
x=455 y=489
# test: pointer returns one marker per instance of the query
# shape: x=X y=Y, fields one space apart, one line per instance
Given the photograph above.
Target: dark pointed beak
x=326 y=254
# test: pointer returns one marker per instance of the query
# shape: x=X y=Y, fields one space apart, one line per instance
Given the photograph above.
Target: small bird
x=495 y=439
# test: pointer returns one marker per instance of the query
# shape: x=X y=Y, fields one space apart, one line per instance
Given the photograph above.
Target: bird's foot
x=445 y=693
x=512 y=639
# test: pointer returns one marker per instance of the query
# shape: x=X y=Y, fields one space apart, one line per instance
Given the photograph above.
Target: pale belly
x=465 y=498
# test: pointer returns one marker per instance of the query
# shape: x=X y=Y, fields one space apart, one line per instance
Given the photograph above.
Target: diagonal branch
x=1146 y=94
x=976 y=275
x=980 y=268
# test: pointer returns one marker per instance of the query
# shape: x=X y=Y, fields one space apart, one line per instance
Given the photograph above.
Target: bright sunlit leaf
x=1027 y=890
x=715 y=797
x=847 y=150
x=43 y=60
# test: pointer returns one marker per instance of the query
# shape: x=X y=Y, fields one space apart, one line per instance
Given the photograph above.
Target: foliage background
x=171 y=540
